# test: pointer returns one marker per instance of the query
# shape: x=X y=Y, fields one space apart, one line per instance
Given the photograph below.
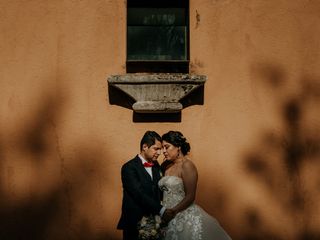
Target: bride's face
x=170 y=151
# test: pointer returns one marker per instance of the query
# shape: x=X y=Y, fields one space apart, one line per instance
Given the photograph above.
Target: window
x=158 y=36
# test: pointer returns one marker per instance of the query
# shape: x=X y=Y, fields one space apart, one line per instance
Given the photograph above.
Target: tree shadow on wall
x=282 y=162
x=53 y=214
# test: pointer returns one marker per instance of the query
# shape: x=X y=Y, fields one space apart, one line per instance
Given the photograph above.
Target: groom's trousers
x=130 y=234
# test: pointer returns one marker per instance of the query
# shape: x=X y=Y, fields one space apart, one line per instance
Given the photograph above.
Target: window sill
x=156 y=93
x=148 y=66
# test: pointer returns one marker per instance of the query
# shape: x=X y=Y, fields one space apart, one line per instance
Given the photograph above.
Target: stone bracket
x=155 y=93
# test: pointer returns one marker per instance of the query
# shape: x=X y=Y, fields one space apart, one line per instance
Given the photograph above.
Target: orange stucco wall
x=62 y=144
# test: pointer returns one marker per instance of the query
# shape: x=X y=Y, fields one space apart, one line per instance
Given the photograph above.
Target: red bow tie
x=147 y=164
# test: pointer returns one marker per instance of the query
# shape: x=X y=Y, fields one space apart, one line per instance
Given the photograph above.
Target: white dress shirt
x=148 y=169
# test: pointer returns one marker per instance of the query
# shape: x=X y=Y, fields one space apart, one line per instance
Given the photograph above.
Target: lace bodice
x=173 y=190
x=173 y=193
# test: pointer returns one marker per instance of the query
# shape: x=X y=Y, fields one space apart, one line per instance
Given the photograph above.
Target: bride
x=179 y=189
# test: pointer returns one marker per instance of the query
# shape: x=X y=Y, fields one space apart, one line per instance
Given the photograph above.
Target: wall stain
x=195 y=64
x=197 y=19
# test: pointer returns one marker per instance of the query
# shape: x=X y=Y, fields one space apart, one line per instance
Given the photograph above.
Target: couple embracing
x=146 y=192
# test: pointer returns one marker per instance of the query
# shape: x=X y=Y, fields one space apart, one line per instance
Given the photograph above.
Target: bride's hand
x=168 y=215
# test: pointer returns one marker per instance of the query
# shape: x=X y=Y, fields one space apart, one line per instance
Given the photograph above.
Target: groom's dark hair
x=149 y=138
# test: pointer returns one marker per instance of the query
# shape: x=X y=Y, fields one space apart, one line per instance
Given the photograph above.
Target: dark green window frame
x=157 y=36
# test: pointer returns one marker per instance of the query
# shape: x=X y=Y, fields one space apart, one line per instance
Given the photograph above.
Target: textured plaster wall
x=255 y=140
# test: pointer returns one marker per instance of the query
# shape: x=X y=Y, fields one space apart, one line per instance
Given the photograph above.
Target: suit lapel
x=155 y=174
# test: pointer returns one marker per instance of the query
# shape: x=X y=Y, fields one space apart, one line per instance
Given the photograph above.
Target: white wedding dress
x=192 y=223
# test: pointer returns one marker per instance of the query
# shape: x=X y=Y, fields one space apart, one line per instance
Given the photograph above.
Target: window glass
x=157 y=43
x=156 y=16
x=157 y=35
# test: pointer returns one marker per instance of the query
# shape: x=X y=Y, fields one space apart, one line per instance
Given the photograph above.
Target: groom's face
x=152 y=153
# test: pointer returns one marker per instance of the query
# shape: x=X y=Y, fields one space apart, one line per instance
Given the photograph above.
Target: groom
x=141 y=194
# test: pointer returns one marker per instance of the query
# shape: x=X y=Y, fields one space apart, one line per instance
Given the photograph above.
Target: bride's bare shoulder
x=188 y=164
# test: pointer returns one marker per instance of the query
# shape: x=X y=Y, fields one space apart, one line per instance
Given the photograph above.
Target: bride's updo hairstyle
x=178 y=140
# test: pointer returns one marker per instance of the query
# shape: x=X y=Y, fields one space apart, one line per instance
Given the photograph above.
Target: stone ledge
x=157 y=93
x=138 y=78
x=156 y=106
